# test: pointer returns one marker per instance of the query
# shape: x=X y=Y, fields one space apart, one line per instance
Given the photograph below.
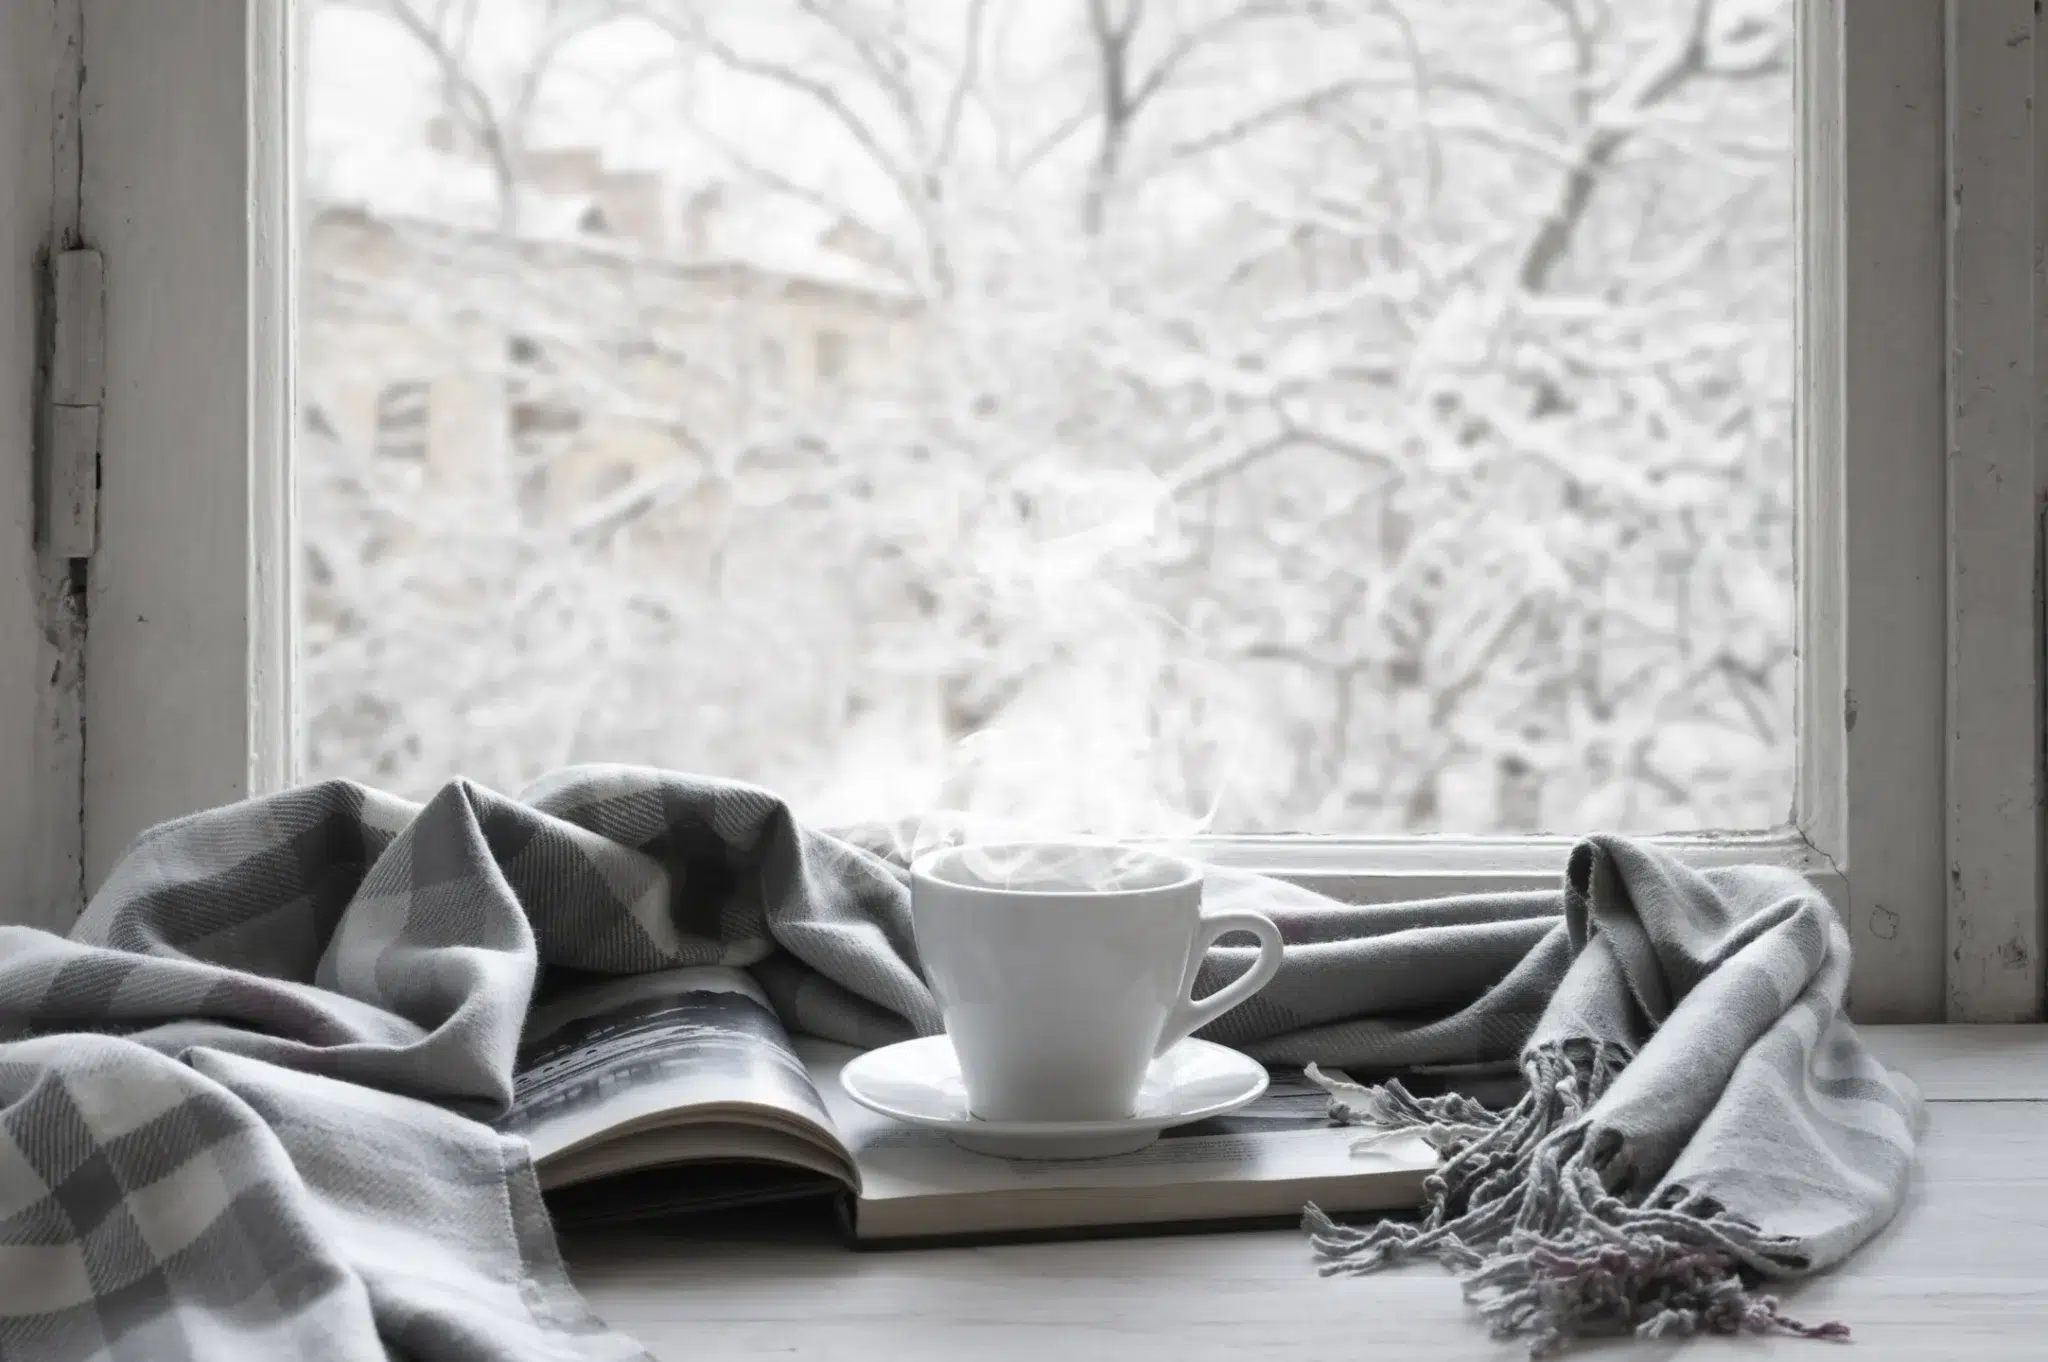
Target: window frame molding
x=189 y=661
x=1996 y=481
x=1868 y=819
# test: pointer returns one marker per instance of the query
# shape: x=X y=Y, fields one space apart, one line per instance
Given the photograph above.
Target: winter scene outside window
x=1251 y=416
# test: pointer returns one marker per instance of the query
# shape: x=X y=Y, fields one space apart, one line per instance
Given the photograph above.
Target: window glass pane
x=1259 y=415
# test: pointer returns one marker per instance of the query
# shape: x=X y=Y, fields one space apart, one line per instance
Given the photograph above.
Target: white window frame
x=1918 y=808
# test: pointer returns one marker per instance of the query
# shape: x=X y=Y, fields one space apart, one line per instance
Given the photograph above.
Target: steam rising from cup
x=1048 y=867
x=1101 y=698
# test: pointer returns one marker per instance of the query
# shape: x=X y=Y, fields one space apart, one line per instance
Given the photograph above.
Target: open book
x=664 y=1094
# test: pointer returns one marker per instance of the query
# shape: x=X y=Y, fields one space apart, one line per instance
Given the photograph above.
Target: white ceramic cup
x=1064 y=969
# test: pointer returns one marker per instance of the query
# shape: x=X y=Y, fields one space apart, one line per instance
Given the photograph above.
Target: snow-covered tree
x=1263 y=415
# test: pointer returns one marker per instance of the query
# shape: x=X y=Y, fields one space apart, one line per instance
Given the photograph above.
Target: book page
x=633 y=1054
x=1285 y=1136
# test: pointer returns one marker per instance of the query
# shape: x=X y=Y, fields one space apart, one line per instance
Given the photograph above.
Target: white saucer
x=918 y=1082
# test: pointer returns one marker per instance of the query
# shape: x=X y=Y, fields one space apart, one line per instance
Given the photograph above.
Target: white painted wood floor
x=1962 y=1272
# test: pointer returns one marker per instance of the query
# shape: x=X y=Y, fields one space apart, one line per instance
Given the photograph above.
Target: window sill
x=1944 y=1270
x=1384 y=869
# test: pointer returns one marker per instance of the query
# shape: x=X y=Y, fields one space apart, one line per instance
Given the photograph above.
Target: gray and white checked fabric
x=244 y=1106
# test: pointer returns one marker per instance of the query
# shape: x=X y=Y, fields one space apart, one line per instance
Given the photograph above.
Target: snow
x=1276 y=505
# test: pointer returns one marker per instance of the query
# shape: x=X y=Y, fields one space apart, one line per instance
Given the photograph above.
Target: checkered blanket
x=245 y=1105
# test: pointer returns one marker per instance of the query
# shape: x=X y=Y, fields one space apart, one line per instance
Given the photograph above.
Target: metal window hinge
x=77 y=389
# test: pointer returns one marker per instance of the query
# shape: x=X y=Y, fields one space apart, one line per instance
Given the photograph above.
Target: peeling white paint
x=41 y=597
x=1871 y=468
x=185 y=192
x=1993 y=775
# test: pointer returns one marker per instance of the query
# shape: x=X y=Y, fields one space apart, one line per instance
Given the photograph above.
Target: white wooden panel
x=39 y=627
x=2039 y=385
x=195 y=260
x=274 y=129
x=1994 y=744
x=1820 y=803
x=1871 y=561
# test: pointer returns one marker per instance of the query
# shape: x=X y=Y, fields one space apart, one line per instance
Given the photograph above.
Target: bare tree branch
x=1613 y=123
x=963 y=85
x=910 y=188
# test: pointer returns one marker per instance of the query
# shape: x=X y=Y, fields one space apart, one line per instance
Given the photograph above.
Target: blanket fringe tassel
x=1520 y=1210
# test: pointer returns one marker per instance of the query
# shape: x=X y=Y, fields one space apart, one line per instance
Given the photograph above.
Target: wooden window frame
x=1918 y=801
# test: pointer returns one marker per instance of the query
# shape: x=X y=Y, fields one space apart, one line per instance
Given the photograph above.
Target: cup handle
x=1192 y=1014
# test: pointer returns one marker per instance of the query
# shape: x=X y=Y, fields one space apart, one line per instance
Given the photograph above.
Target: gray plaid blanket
x=244 y=1106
